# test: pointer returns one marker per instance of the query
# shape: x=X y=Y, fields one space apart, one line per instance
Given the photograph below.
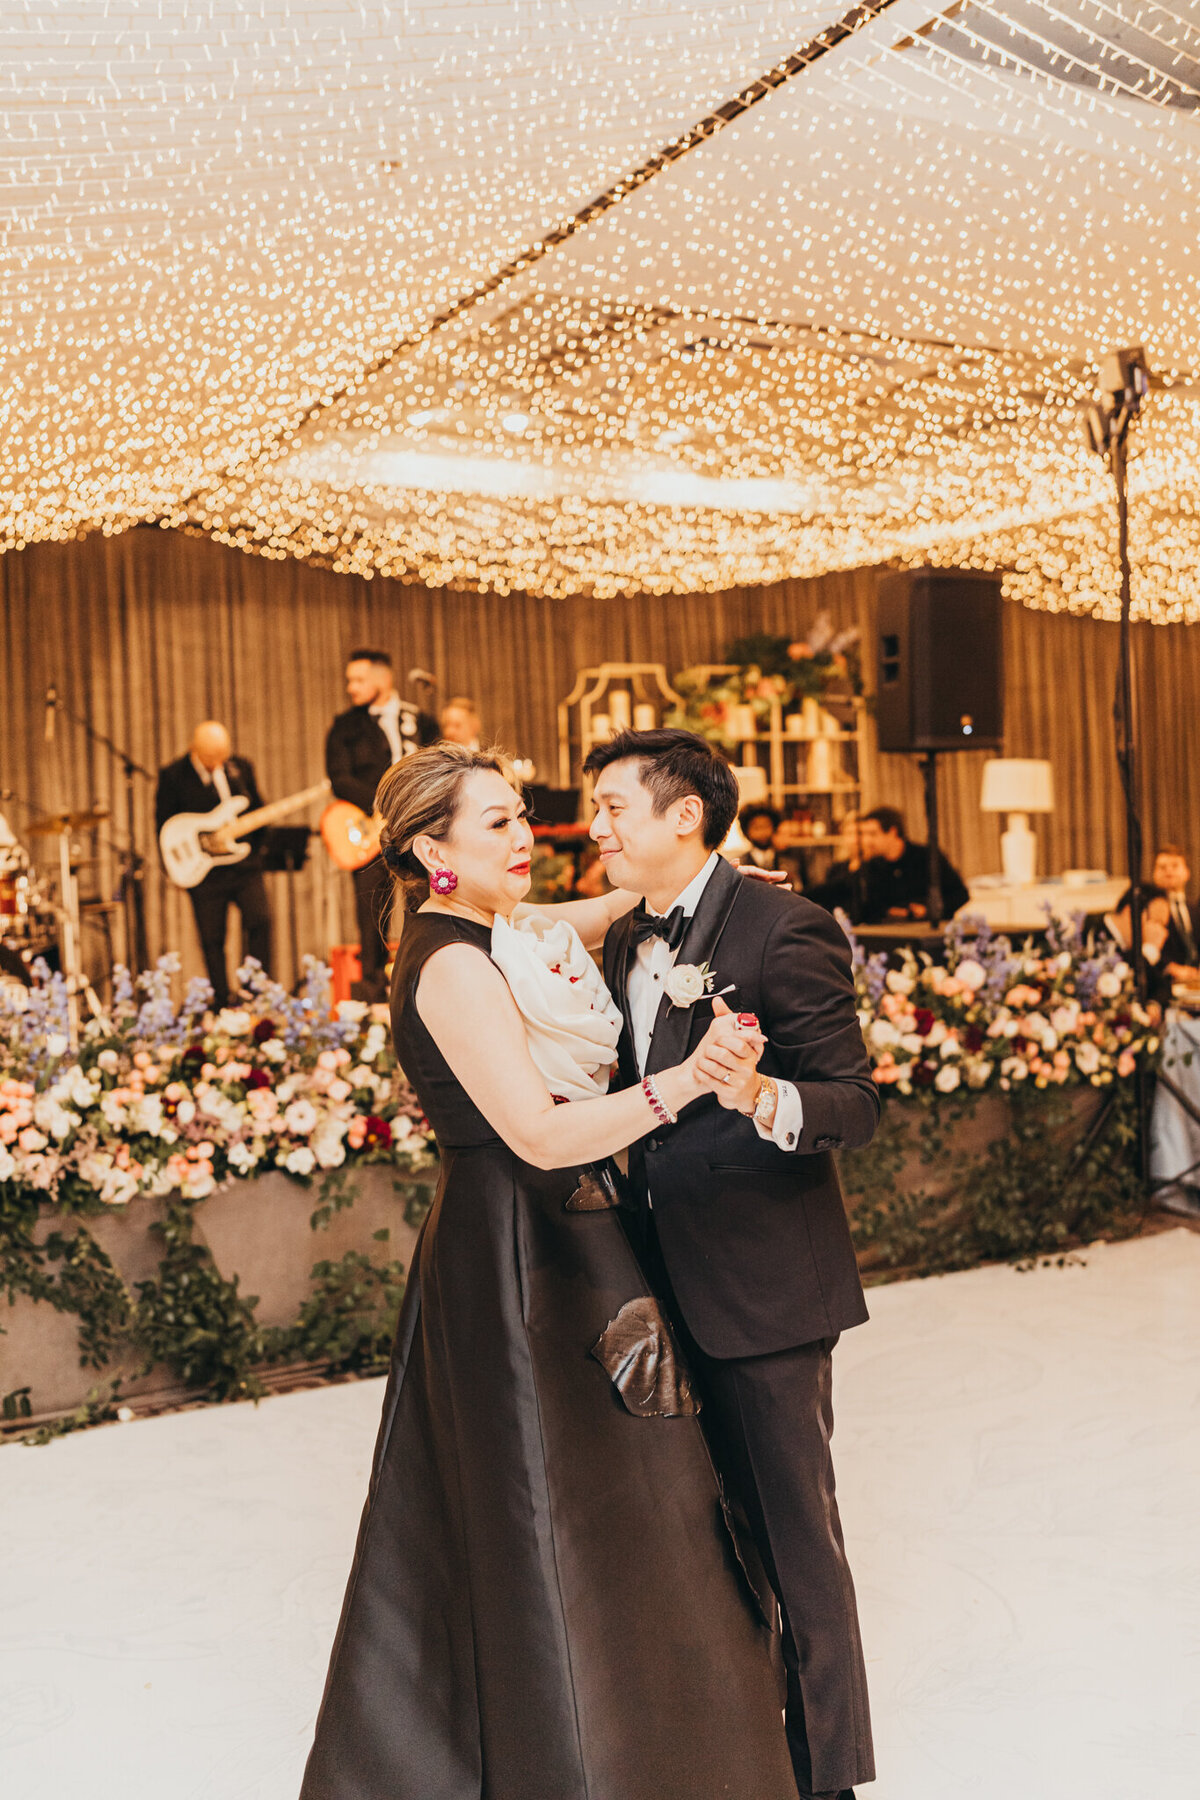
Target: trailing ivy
x=195 y=1321
x=349 y=1320
x=929 y=1204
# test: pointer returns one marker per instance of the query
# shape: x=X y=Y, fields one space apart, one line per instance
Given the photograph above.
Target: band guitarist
x=376 y=731
x=198 y=782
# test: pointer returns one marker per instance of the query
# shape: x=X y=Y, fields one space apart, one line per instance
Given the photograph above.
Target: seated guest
x=759 y=824
x=460 y=723
x=840 y=887
x=197 y=783
x=895 y=872
x=1169 y=926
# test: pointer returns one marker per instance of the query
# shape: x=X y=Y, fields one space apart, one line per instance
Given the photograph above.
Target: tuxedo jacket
x=180 y=790
x=357 y=752
x=755 y=1238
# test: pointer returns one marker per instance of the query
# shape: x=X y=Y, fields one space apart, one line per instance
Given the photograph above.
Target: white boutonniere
x=685 y=983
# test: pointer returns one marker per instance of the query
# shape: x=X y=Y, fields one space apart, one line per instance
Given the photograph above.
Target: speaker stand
x=934 y=904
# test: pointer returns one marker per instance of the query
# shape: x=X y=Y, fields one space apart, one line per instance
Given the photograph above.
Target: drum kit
x=40 y=917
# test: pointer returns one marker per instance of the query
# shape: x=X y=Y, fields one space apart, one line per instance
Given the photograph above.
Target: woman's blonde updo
x=422 y=794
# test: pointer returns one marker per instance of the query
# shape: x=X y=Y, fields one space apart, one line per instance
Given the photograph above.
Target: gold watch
x=765 y=1101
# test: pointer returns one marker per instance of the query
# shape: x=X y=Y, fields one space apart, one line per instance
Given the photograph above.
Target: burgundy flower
x=925 y=1074
x=973 y=1039
x=258 y=1078
x=378 y=1135
x=263 y=1031
x=924 y=1020
x=194 y=1053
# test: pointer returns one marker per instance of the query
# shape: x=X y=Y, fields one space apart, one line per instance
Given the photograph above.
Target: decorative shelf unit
x=609 y=698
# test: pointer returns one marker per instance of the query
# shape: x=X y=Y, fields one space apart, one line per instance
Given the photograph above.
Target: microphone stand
x=133 y=863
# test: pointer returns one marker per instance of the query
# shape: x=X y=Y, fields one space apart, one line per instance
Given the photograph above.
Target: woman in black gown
x=546 y=1601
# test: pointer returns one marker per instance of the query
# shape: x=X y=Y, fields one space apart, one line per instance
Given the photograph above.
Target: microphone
x=51 y=704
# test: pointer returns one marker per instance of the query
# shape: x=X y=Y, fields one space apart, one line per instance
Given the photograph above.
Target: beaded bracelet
x=662 y=1111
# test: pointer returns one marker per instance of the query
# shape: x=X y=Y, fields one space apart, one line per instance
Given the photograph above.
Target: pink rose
x=1126 y=1063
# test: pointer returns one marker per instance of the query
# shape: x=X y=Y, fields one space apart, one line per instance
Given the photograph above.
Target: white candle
x=644 y=718
x=619 y=709
x=601 y=727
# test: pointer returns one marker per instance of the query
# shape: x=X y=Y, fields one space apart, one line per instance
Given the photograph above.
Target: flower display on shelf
x=157 y=1099
x=1001 y=1016
x=823 y=665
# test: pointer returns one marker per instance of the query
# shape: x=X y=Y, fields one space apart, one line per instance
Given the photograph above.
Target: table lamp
x=1017 y=786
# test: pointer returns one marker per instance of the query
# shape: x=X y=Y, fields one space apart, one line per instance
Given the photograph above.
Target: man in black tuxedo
x=198 y=782
x=376 y=731
x=741 y=1218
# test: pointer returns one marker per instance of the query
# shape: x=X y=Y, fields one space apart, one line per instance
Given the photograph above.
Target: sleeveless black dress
x=545 y=1602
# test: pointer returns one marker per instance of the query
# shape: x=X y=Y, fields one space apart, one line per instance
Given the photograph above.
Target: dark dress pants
x=221 y=889
x=769 y=1420
x=372 y=902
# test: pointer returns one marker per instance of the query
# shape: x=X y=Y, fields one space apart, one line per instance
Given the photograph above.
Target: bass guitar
x=193 y=843
x=349 y=834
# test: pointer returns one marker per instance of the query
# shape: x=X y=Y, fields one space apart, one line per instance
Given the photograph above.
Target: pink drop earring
x=443 y=881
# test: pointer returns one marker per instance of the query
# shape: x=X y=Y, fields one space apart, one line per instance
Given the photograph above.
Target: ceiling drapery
x=336 y=284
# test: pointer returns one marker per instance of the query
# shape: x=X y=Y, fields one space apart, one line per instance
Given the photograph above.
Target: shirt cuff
x=1152 y=952
x=789 y=1118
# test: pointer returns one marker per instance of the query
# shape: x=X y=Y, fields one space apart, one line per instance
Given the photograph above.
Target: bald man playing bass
x=198 y=782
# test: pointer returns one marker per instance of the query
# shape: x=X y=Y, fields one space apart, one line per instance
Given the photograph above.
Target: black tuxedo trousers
x=750 y=1250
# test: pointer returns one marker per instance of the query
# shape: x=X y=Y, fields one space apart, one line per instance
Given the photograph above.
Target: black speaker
x=940 y=669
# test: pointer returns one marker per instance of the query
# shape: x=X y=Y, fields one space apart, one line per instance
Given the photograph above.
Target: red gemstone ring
x=747 y=1021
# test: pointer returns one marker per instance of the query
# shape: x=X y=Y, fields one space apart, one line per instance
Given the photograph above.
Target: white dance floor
x=1019 y=1461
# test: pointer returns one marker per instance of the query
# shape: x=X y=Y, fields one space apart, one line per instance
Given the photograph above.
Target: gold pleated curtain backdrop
x=147 y=633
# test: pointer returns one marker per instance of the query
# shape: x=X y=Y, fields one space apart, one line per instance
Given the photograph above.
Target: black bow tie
x=669 y=926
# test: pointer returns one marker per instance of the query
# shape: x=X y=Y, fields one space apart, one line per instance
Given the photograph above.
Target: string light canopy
x=596 y=300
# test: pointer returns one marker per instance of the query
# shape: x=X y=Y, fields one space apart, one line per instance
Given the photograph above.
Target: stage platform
x=1020 y=1464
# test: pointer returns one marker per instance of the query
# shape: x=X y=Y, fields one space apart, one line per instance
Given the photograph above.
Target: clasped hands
x=725 y=1062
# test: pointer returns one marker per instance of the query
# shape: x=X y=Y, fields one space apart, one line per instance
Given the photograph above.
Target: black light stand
x=133 y=863
x=934 y=904
x=1124 y=383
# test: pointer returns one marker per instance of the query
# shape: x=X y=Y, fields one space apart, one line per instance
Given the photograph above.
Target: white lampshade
x=1015 y=784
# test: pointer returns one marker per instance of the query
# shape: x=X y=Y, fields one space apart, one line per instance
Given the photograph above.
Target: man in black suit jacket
x=893 y=881
x=376 y=731
x=741 y=1218
x=196 y=783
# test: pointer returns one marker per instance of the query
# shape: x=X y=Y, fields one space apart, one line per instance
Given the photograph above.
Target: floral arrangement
x=996 y=1016
x=157 y=1099
x=822 y=665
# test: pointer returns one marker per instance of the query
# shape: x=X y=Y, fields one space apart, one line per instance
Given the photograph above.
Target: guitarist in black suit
x=376 y=731
x=196 y=783
x=740 y=1215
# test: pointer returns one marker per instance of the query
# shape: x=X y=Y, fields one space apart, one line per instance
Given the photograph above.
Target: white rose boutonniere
x=685 y=983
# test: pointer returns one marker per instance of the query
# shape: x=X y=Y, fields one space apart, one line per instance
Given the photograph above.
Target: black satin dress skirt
x=547 y=1600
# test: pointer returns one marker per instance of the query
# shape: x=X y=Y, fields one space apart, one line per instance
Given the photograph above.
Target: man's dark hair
x=757 y=810
x=371 y=656
x=671 y=765
x=888 y=818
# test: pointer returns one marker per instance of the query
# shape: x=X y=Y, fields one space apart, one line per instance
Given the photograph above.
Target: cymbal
x=54 y=824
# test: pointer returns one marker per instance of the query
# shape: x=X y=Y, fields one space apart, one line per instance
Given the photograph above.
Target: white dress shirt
x=386 y=714
x=647 y=972
x=214 y=778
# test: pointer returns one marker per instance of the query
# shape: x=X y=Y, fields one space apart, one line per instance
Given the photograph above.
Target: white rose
x=971 y=973
x=912 y=1043
x=978 y=1070
x=1014 y=1068
x=947 y=1079
x=8 y=1167
x=185 y=1112
x=57 y=1043
x=684 y=984
x=1109 y=985
x=300 y=1161
x=241 y=1157
x=234 y=1021
x=951 y=1047
x=937 y=1033
x=1087 y=1057
x=352 y=1012
x=300 y=1118
x=899 y=983
x=109 y=1061
x=274 y=1050
x=883 y=1035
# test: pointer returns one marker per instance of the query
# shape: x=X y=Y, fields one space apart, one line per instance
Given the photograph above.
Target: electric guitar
x=193 y=843
x=350 y=835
